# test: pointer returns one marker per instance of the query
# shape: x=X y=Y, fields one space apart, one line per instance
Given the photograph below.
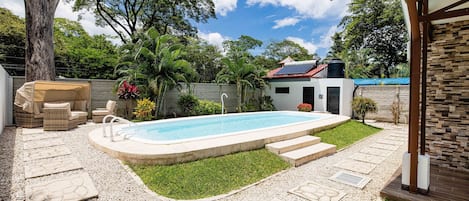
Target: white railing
x=114 y=119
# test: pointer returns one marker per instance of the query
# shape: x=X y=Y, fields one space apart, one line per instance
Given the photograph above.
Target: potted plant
x=128 y=92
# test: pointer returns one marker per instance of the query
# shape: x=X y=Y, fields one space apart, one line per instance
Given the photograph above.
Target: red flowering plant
x=305 y=107
x=127 y=91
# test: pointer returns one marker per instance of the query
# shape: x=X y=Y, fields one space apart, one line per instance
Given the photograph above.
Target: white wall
x=6 y=85
x=295 y=96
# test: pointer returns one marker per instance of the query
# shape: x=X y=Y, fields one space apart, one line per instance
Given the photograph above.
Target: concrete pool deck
x=139 y=152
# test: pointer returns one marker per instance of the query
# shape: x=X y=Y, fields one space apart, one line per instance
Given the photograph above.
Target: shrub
x=207 y=107
x=305 y=107
x=267 y=103
x=361 y=106
x=144 y=109
x=187 y=104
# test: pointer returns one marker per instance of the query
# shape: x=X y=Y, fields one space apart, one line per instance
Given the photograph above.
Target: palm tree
x=240 y=72
x=157 y=65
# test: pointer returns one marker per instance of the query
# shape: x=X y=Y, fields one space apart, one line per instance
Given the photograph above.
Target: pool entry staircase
x=298 y=151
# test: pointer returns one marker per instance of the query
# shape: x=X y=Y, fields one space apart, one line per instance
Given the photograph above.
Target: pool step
x=309 y=153
x=292 y=144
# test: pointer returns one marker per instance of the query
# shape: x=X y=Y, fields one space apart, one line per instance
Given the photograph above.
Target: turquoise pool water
x=214 y=125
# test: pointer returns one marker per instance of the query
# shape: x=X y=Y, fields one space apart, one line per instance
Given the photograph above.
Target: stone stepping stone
x=76 y=187
x=34 y=144
x=395 y=138
x=368 y=158
x=399 y=136
x=385 y=146
x=356 y=166
x=39 y=136
x=314 y=191
x=391 y=142
x=50 y=166
x=28 y=131
x=375 y=151
x=46 y=152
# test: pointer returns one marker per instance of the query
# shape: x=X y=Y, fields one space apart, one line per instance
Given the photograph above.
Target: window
x=282 y=90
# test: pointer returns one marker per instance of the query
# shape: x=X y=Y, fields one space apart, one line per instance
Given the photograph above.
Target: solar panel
x=295 y=69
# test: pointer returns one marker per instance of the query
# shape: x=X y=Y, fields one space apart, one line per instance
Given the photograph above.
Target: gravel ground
x=115 y=181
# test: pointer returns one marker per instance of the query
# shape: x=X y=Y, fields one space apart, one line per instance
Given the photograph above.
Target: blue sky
x=309 y=23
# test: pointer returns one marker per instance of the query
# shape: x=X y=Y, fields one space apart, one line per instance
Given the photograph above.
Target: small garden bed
x=211 y=176
x=346 y=134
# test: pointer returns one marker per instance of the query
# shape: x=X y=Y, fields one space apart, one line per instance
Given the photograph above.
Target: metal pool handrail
x=114 y=119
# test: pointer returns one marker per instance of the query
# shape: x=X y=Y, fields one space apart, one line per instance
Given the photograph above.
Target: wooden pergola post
x=415 y=49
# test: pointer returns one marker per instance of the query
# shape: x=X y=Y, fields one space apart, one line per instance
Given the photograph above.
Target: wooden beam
x=415 y=49
x=453 y=5
x=423 y=106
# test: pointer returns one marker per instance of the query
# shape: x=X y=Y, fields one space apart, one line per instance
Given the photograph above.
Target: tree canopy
x=375 y=25
x=283 y=49
x=126 y=17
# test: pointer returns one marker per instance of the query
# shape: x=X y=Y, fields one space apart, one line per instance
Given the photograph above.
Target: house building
x=321 y=85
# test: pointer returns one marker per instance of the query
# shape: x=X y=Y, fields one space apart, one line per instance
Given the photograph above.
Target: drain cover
x=351 y=179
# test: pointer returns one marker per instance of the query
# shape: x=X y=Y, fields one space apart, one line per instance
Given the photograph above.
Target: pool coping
x=165 y=154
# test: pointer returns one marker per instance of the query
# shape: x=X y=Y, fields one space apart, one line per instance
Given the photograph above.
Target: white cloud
x=214 y=38
x=324 y=43
x=289 y=21
x=309 y=8
x=64 y=10
x=222 y=7
x=326 y=39
x=310 y=46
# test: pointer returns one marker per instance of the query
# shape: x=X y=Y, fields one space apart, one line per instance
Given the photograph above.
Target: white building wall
x=5 y=99
x=290 y=101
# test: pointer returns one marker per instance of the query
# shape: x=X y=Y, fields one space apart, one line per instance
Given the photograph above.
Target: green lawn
x=347 y=134
x=211 y=176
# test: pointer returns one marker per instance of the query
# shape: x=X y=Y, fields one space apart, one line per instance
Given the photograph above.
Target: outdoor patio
x=375 y=158
x=446 y=185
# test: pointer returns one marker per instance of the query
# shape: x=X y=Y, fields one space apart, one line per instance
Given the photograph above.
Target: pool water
x=214 y=125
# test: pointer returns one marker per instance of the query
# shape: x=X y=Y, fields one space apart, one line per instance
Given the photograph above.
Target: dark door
x=308 y=95
x=333 y=99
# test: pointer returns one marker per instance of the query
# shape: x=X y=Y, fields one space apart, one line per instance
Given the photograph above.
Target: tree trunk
x=39 y=55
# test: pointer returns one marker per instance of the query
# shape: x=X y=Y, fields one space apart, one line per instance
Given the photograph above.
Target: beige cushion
x=73 y=116
x=59 y=105
x=38 y=108
x=80 y=113
x=80 y=105
x=101 y=112
x=110 y=105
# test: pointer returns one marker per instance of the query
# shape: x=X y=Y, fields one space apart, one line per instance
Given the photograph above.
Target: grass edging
x=347 y=134
x=211 y=177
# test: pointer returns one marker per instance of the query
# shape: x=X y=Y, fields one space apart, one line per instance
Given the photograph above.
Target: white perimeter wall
x=291 y=100
x=6 y=87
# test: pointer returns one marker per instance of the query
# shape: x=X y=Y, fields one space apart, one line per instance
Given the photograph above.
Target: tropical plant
x=304 y=107
x=266 y=103
x=187 y=103
x=207 y=107
x=158 y=61
x=240 y=72
x=362 y=105
x=128 y=92
x=144 y=108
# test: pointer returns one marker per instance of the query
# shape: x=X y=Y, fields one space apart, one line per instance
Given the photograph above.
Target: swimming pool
x=179 y=130
x=252 y=131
